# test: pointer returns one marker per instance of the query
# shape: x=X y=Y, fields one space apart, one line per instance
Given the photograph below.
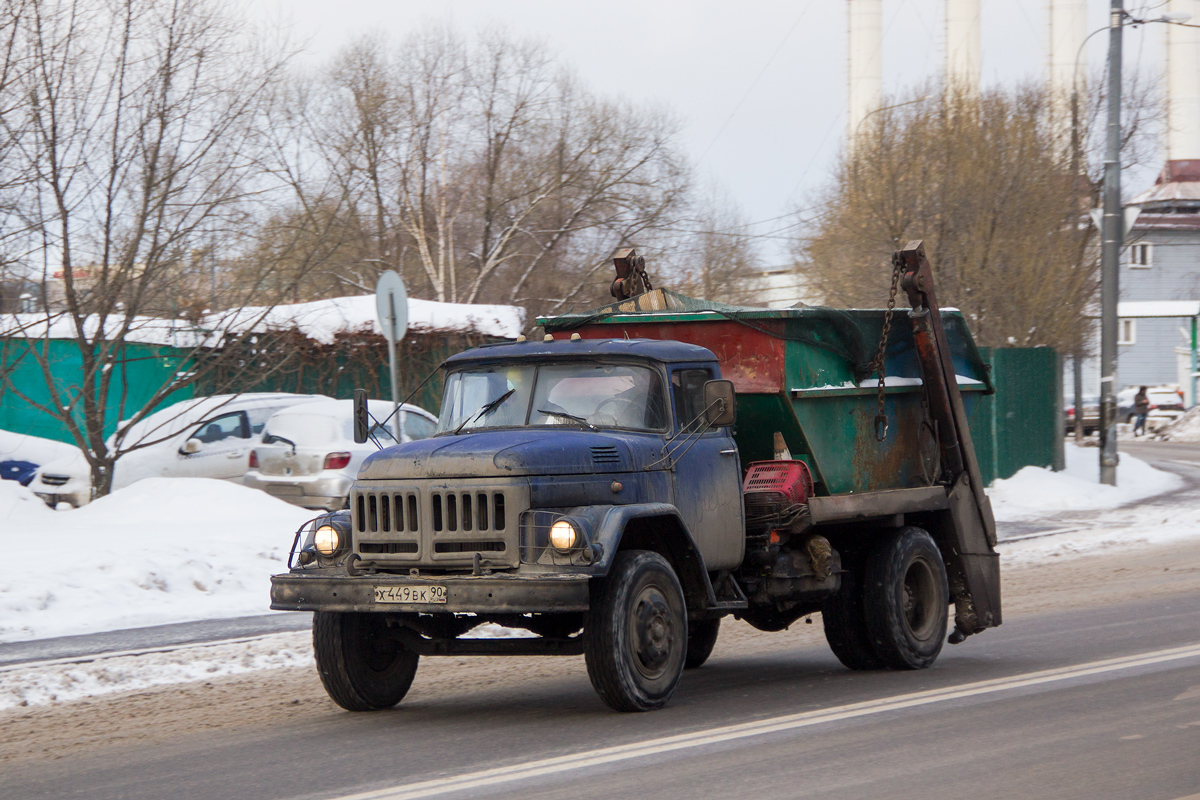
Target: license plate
x=410 y=594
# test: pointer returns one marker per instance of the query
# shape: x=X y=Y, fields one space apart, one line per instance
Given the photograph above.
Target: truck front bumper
x=487 y=594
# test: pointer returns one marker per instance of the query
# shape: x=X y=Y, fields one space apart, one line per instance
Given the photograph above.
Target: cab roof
x=666 y=351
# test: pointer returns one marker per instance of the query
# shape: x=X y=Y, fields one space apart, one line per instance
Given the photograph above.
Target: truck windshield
x=587 y=395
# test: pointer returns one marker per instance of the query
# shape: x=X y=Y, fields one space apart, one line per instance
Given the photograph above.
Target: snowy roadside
x=223 y=542
x=1036 y=493
x=162 y=550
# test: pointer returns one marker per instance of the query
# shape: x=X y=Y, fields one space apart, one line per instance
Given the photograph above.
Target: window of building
x=1127 y=331
x=1139 y=256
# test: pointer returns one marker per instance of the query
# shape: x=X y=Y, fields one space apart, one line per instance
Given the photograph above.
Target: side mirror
x=362 y=419
x=190 y=447
x=720 y=404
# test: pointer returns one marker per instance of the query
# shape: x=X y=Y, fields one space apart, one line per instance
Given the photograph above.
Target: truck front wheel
x=361 y=668
x=635 y=640
x=907 y=599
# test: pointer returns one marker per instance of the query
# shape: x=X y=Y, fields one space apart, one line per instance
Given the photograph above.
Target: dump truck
x=618 y=487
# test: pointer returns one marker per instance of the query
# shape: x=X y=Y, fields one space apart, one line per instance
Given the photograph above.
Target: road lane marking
x=608 y=755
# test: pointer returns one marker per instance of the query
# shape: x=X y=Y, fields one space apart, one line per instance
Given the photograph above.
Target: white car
x=308 y=455
x=205 y=437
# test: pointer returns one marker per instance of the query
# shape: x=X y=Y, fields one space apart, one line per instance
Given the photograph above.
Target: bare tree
x=716 y=257
x=135 y=141
x=1001 y=204
x=482 y=170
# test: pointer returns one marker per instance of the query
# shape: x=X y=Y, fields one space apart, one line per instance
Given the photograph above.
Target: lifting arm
x=971 y=535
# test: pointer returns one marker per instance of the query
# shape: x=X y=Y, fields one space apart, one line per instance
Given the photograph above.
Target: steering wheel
x=619 y=408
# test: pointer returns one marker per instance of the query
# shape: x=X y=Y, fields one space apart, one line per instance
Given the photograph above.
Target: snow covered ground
x=171 y=550
x=1035 y=492
x=162 y=550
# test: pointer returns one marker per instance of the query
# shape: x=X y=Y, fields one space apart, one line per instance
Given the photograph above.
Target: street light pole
x=1112 y=235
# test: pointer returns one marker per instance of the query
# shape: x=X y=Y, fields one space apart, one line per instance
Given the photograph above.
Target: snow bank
x=162 y=550
x=23 y=447
x=1184 y=429
x=74 y=680
x=1038 y=492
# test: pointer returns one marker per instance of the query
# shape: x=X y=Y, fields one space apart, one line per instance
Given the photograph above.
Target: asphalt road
x=1036 y=708
x=1098 y=731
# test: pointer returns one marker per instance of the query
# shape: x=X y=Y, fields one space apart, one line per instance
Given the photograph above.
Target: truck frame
x=600 y=491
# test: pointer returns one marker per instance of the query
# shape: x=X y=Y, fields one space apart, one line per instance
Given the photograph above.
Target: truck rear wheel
x=845 y=620
x=702 y=638
x=361 y=668
x=907 y=599
x=635 y=639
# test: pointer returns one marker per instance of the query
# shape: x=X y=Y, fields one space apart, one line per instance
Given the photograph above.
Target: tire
x=635 y=640
x=844 y=617
x=702 y=638
x=361 y=670
x=907 y=599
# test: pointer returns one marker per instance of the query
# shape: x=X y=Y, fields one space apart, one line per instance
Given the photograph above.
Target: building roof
x=1173 y=202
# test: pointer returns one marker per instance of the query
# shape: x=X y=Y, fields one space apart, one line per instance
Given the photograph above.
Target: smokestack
x=1068 y=29
x=1183 y=84
x=962 y=45
x=866 y=61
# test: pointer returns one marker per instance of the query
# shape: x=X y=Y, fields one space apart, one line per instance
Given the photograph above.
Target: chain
x=881 y=422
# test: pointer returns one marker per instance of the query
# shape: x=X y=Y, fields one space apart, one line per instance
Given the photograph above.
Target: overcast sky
x=760 y=84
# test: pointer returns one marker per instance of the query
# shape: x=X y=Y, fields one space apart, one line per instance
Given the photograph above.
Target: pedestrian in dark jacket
x=1141 y=407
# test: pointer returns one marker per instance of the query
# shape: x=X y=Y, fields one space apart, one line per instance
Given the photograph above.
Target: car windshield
x=587 y=395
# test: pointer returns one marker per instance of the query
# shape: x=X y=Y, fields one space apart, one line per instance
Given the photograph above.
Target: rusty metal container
x=805 y=372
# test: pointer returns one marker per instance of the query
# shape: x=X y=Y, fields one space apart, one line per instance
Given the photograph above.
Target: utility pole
x=1112 y=235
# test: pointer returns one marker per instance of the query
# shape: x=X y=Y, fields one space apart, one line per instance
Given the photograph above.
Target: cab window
x=687 y=393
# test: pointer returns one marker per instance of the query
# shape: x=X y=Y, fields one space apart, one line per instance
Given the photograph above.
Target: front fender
x=650 y=526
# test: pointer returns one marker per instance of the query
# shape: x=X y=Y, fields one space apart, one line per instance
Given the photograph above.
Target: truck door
x=708 y=480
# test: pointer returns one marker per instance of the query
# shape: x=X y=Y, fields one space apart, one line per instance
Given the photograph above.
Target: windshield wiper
x=486 y=409
x=272 y=439
x=565 y=415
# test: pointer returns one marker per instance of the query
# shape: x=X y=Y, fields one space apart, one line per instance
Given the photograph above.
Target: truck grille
x=438 y=525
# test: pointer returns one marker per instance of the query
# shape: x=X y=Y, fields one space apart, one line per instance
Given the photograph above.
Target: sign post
x=391 y=303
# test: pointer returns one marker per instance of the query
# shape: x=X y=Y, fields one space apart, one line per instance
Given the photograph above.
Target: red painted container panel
x=752 y=359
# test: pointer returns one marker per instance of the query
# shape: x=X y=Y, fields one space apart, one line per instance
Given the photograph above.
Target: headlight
x=326 y=540
x=563 y=535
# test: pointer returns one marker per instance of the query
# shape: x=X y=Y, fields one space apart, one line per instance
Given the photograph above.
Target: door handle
x=732 y=452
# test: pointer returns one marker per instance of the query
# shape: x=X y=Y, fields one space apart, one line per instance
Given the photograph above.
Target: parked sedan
x=1091 y=415
x=1166 y=404
x=308 y=455
x=206 y=437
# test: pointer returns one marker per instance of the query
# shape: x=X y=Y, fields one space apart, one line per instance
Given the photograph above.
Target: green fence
x=138 y=371
x=1020 y=425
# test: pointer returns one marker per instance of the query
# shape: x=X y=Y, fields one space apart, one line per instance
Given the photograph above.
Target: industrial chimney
x=866 y=61
x=962 y=45
x=1183 y=84
x=1068 y=29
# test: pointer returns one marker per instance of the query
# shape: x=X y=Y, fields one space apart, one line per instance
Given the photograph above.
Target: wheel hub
x=652 y=634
